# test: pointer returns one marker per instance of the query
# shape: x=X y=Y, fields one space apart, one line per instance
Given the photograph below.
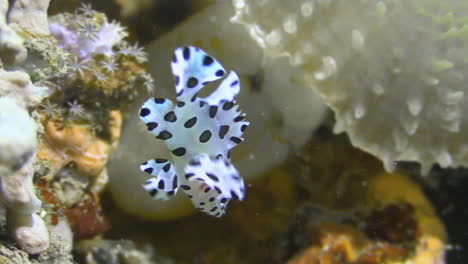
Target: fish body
x=199 y=133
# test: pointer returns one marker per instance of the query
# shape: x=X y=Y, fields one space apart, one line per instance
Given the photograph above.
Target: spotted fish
x=199 y=132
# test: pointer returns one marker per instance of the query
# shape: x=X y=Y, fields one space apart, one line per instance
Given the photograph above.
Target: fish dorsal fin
x=192 y=69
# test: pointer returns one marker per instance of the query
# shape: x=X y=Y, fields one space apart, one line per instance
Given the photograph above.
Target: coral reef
x=351 y=211
x=59 y=251
x=310 y=196
x=99 y=56
x=93 y=73
x=17 y=159
x=399 y=226
x=379 y=196
x=90 y=78
x=12 y=50
x=392 y=71
x=87 y=33
x=86 y=219
x=72 y=218
x=30 y=17
x=61 y=145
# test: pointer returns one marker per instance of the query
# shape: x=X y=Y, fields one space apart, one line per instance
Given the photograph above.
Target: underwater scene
x=233 y=131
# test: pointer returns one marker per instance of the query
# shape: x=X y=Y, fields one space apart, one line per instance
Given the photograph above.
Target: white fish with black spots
x=199 y=133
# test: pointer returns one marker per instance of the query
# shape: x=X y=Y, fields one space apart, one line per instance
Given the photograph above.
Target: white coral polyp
x=85 y=46
x=392 y=71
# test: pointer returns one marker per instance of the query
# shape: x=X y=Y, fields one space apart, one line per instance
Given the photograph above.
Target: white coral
x=30 y=16
x=394 y=72
x=17 y=157
x=12 y=50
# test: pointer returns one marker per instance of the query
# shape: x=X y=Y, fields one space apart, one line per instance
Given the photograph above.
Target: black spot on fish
x=144 y=112
x=186 y=53
x=179 y=151
x=207 y=61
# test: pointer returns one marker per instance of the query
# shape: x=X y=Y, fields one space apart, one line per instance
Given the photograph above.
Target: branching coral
x=393 y=71
x=17 y=159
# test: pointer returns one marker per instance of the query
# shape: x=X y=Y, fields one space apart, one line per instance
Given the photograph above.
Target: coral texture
x=61 y=145
x=88 y=34
x=30 y=16
x=99 y=58
x=392 y=71
x=12 y=50
x=17 y=159
x=199 y=133
x=78 y=117
x=92 y=73
x=82 y=115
